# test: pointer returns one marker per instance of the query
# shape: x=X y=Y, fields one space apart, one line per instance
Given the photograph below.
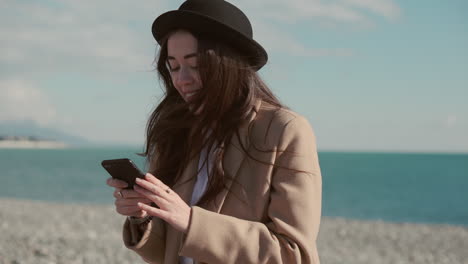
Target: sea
x=395 y=187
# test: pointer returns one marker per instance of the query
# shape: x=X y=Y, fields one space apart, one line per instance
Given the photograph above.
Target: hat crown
x=215 y=19
x=221 y=11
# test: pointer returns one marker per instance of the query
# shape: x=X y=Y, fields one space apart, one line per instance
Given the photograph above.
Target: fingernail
x=138 y=179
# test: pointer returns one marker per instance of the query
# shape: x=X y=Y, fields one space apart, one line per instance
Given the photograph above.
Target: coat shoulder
x=270 y=123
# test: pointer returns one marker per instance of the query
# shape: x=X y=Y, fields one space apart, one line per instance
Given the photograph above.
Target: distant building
x=29 y=142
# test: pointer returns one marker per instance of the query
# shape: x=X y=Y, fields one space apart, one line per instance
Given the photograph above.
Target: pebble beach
x=33 y=232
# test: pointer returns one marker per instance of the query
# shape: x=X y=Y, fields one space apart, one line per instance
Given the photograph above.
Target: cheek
x=198 y=80
x=174 y=83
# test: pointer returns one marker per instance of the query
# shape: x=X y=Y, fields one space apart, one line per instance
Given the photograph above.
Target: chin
x=196 y=112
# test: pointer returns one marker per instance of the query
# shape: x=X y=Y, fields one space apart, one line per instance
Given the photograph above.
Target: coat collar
x=233 y=158
x=231 y=163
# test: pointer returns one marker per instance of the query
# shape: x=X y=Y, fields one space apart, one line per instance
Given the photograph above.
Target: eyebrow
x=191 y=55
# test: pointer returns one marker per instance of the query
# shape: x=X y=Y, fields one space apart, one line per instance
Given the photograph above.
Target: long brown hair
x=175 y=135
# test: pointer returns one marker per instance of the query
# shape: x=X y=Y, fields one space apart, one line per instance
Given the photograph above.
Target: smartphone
x=123 y=169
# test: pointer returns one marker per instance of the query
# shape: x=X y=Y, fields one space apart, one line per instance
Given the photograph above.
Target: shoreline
x=107 y=204
x=32 y=144
x=51 y=232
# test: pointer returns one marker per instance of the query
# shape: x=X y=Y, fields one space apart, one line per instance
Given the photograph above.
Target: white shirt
x=200 y=186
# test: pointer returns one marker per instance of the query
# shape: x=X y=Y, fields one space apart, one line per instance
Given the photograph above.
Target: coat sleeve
x=150 y=244
x=289 y=235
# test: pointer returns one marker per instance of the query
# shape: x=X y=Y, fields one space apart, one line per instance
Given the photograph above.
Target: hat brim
x=177 y=19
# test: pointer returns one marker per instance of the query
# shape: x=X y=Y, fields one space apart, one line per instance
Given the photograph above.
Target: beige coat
x=269 y=215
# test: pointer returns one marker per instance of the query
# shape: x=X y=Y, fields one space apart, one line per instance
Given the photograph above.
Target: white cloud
x=339 y=11
x=450 y=121
x=386 y=8
x=104 y=36
x=267 y=14
x=99 y=37
x=21 y=100
x=76 y=36
x=282 y=42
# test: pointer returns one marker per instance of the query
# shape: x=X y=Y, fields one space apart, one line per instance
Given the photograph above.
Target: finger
x=164 y=215
x=117 y=194
x=126 y=194
x=160 y=201
x=129 y=193
x=159 y=191
x=132 y=201
x=129 y=210
x=151 y=178
x=116 y=183
x=140 y=214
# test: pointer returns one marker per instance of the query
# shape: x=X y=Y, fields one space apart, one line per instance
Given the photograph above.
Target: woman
x=233 y=175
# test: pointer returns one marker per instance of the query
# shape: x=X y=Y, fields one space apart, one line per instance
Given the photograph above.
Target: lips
x=188 y=96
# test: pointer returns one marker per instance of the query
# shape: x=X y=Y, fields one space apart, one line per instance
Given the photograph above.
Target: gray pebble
x=44 y=233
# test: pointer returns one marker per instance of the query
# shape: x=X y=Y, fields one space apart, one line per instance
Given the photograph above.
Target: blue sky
x=370 y=75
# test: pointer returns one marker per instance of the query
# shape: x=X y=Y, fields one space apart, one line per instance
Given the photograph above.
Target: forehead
x=180 y=43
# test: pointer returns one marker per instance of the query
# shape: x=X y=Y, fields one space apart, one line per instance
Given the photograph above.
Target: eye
x=193 y=62
x=173 y=69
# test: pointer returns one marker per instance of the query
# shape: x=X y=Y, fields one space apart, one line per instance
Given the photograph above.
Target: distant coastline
x=30 y=143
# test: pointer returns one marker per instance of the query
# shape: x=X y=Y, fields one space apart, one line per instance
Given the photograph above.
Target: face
x=182 y=51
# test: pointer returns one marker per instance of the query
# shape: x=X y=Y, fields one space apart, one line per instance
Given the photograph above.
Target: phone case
x=123 y=169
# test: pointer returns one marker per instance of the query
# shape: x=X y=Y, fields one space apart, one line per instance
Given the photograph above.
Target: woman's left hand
x=172 y=208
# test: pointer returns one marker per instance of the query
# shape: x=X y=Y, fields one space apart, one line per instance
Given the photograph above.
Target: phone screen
x=123 y=169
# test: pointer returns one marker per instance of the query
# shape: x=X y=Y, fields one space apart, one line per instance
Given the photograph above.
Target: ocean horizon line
x=350 y=151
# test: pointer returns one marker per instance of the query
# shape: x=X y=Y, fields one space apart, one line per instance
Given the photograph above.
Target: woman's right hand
x=126 y=200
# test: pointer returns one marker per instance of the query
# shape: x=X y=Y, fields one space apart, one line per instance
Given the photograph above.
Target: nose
x=184 y=76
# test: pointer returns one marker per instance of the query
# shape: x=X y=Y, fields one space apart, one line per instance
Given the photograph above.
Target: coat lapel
x=233 y=159
x=183 y=188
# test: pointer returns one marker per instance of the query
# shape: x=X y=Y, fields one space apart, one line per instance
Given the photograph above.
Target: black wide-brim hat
x=218 y=20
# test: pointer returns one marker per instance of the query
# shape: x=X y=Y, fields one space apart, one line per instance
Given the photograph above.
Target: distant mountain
x=27 y=128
